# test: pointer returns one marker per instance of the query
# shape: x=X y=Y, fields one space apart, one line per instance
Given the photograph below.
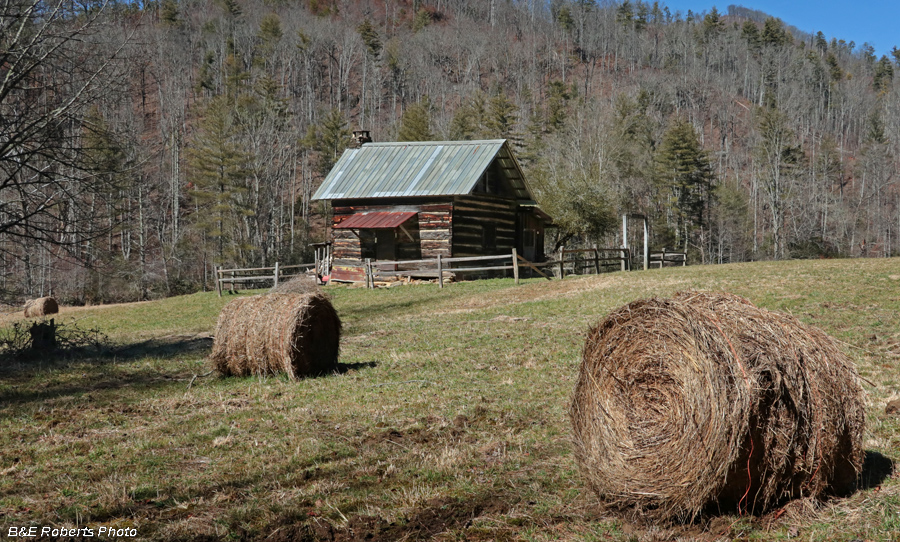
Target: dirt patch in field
x=439 y=515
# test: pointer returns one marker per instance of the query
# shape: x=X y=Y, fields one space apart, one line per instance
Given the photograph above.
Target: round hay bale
x=41 y=306
x=302 y=284
x=706 y=403
x=298 y=334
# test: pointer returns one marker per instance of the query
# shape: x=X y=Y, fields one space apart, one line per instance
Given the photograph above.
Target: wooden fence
x=440 y=267
x=568 y=261
x=668 y=257
x=598 y=259
x=574 y=261
x=257 y=275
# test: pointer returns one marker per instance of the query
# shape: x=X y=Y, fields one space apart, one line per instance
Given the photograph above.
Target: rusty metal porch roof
x=378 y=219
x=409 y=169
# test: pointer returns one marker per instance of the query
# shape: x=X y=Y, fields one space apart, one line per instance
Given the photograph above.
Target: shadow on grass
x=876 y=469
x=33 y=377
x=83 y=387
x=163 y=348
x=28 y=360
x=97 y=368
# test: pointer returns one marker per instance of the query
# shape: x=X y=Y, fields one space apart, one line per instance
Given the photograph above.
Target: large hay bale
x=705 y=402
x=41 y=306
x=298 y=334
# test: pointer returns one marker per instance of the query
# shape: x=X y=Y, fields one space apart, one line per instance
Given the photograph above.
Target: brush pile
x=41 y=306
x=706 y=403
x=297 y=334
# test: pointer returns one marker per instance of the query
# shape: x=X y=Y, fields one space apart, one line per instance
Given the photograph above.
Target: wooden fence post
x=440 y=271
x=562 y=257
x=596 y=261
x=317 y=271
x=276 y=275
x=646 y=244
x=515 y=262
x=218 y=283
x=231 y=285
x=370 y=280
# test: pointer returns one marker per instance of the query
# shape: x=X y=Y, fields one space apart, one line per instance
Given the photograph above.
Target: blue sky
x=875 y=22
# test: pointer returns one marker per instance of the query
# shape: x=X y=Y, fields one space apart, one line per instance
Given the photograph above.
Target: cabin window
x=489 y=236
x=489 y=182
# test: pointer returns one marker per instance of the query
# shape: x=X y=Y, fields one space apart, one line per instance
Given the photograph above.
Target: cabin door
x=528 y=245
x=529 y=236
x=385 y=244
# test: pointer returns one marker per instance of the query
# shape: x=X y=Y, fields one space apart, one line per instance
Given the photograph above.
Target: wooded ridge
x=141 y=144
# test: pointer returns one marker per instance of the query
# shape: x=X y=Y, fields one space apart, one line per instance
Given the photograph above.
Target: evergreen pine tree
x=169 y=14
x=502 y=118
x=370 y=37
x=884 y=75
x=270 y=33
x=415 y=124
x=557 y=99
x=328 y=139
x=217 y=171
x=468 y=120
x=685 y=176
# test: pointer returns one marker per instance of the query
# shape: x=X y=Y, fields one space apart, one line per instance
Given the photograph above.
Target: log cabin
x=416 y=200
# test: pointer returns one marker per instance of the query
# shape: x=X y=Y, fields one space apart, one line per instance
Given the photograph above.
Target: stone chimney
x=360 y=137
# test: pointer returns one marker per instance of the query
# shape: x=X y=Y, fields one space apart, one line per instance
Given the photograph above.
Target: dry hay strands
x=706 y=403
x=301 y=284
x=298 y=334
x=41 y=306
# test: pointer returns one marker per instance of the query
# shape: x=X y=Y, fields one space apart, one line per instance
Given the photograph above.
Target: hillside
x=209 y=123
x=448 y=420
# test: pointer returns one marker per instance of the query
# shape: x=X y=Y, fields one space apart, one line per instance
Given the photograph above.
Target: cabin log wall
x=470 y=216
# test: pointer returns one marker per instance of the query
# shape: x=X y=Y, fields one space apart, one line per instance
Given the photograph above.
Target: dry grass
x=438 y=425
x=704 y=401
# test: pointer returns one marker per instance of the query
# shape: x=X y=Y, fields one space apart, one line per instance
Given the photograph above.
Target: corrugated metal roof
x=379 y=219
x=406 y=169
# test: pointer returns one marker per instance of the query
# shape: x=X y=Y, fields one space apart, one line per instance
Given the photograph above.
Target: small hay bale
x=298 y=334
x=41 y=306
x=706 y=403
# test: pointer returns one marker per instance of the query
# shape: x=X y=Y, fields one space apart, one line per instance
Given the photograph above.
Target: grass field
x=447 y=421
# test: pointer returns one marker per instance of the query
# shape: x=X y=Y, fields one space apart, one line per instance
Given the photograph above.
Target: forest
x=142 y=144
